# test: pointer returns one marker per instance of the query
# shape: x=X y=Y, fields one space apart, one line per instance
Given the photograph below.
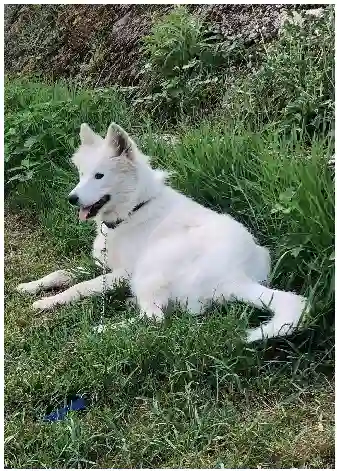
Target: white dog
x=166 y=245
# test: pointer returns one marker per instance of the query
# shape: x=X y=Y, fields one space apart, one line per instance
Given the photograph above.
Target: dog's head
x=110 y=170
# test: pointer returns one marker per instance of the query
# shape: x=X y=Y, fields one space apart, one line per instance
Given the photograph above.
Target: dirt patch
x=99 y=44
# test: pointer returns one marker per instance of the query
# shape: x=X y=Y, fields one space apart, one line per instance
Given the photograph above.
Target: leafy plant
x=184 y=65
x=42 y=123
x=294 y=86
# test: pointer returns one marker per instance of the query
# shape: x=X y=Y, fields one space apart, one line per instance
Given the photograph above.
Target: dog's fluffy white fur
x=172 y=248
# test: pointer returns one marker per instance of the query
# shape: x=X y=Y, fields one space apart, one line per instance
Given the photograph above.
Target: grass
x=183 y=394
x=186 y=393
x=189 y=392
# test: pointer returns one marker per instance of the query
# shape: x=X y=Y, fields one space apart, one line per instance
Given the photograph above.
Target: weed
x=184 y=65
x=294 y=86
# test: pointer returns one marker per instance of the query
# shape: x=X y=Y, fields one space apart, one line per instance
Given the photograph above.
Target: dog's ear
x=88 y=136
x=119 y=141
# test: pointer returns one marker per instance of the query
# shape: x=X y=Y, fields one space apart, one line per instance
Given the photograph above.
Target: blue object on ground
x=59 y=414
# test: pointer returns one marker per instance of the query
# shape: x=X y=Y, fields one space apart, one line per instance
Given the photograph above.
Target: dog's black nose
x=73 y=199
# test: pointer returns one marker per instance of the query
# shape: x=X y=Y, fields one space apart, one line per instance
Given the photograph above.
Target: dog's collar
x=114 y=224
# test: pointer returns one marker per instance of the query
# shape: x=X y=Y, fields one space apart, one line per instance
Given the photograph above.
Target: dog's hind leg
x=56 y=279
x=80 y=290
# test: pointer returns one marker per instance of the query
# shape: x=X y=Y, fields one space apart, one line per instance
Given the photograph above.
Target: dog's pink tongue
x=83 y=214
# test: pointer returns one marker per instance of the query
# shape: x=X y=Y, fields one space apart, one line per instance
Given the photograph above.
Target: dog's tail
x=287 y=308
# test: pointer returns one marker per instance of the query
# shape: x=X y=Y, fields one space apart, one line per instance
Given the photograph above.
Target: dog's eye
x=98 y=176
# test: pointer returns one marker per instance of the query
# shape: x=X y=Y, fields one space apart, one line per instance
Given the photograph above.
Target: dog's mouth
x=87 y=212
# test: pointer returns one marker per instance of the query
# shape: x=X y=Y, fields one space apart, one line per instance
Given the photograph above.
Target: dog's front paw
x=31 y=287
x=44 y=304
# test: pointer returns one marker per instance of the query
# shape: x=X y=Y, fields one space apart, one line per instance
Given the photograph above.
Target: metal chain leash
x=100 y=328
x=104 y=279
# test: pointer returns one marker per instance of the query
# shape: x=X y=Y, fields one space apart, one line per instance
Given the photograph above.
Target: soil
x=99 y=44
